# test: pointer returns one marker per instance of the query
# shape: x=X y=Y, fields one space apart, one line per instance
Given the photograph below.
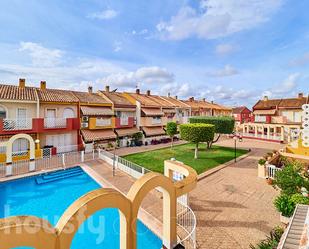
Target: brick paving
x=233 y=206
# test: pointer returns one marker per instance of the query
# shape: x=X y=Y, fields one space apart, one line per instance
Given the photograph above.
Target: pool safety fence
x=46 y=163
x=186 y=219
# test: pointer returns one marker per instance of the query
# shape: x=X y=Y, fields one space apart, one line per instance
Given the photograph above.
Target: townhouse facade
x=275 y=119
x=97 y=120
x=124 y=113
x=241 y=115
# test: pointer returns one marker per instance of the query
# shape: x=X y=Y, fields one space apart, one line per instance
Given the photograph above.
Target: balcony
x=124 y=122
x=37 y=125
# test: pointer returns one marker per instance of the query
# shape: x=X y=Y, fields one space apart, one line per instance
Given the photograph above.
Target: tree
x=171 y=130
x=197 y=133
x=223 y=125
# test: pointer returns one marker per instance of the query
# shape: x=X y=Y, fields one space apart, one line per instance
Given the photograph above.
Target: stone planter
x=261 y=171
x=285 y=220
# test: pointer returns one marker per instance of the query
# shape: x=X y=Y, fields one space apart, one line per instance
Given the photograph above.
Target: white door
x=68 y=113
x=21 y=118
x=20 y=147
x=63 y=142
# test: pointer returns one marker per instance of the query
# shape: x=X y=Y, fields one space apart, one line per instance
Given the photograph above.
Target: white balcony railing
x=17 y=124
x=124 y=121
x=103 y=121
x=55 y=122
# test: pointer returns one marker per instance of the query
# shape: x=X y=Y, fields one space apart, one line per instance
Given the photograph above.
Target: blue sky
x=230 y=51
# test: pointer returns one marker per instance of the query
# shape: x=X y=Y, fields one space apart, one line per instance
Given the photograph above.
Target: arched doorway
x=23 y=137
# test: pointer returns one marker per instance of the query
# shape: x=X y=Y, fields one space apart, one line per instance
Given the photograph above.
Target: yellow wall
x=92 y=124
x=38 y=154
x=301 y=150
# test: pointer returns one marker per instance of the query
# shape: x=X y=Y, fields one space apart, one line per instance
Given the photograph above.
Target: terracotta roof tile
x=144 y=100
x=56 y=95
x=161 y=101
x=90 y=98
x=176 y=102
x=12 y=92
x=127 y=131
x=117 y=98
x=96 y=135
x=153 y=131
x=238 y=110
x=96 y=111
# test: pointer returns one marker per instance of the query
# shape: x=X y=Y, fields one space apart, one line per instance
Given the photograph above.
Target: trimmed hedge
x=197 y=133
x=223 y=125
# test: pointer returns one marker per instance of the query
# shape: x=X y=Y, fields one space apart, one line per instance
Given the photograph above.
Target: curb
x=220 y=167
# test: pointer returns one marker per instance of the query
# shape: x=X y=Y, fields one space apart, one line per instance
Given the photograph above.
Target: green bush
x=171 y=130
x=197 y=133
x=299 y=199
x=289 y=179
x=223 y=125
x=284 y=205
x=271 y=241
x=262 y=161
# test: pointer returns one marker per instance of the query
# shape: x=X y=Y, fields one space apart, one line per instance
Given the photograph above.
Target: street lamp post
x=235 y=137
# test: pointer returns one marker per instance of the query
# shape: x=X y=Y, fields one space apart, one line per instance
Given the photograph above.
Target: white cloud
x=104 y=15
x=228 y=70
x=40 y=55
x=285 y=88
x=225 y=49
x=117 y=46
x=141 y=32
x=217 y=18
x=148 y=75
x=300 y=61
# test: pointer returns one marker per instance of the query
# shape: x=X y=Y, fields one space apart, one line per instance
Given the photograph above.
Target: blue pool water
x=49 y=200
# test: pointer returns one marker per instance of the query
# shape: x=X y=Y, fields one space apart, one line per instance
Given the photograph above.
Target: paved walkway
x=233 y=206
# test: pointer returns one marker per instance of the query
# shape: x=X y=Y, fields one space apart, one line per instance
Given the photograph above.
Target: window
x=68 y=113
x=156 y=120
x=2 y=112
x=103 y=122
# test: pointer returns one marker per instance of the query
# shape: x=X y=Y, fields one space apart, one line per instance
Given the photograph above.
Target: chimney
x=191 y=99
x=212 y=101
x=204 y=100
x=89 y=89
x=265 y=98
x=137 y=91
x=22 y=83
x=43 y=85
x=300 y=95
x=176 y=97
x=148 y=92
x=106 y=88
x=168 y=94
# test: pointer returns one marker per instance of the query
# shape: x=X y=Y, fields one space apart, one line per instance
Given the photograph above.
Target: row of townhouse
x=62 y=120
x=272 y=119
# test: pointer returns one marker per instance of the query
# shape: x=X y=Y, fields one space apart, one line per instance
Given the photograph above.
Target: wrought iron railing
x=55 y=122
x=17 y=124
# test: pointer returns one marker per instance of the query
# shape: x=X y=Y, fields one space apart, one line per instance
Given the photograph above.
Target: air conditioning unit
x=85 y=118
x=84 y=125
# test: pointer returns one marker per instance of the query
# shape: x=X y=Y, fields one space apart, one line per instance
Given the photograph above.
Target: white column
x=82 y=156
x=282 y=133
x=256 y=131
x=289 y=135
x=268 y=132
x=262 y=131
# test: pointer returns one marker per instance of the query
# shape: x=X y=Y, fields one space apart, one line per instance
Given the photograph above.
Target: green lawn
x=154 y=160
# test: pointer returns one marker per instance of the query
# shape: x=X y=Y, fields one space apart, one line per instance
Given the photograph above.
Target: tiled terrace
x=233 y=206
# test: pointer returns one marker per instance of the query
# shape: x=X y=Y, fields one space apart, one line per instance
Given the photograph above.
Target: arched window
x=68 y=113
x=3 y=112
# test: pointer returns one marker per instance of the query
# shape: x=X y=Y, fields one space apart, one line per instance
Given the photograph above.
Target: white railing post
x=93 y=154
x=63 y=159
x=99 y=153
x=8 y=170
x=82 y=156
x=143 y=171
x=32 y=165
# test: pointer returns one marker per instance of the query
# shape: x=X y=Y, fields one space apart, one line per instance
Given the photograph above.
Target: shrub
x=262 y=161
x=223 y=125
x=197 y=133
x=284 y=205
x=271 y=241
x=299 y=199
x=289 y=179
x=171 y=130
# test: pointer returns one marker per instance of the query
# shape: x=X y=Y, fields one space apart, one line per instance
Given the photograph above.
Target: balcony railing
x=55 y=122
x=17 y=124
x=103 y=121
x=124 y=121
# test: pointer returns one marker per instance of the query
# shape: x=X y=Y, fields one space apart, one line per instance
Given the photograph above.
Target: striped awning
x=96 y=111
x=152 y=112
x=125 y=109
x=126 y=131
x=97 y=135
x=265 y=112
x=153 y=131
x=169 y=111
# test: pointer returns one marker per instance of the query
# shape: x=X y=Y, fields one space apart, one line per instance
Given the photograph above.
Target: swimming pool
x=50 y=195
